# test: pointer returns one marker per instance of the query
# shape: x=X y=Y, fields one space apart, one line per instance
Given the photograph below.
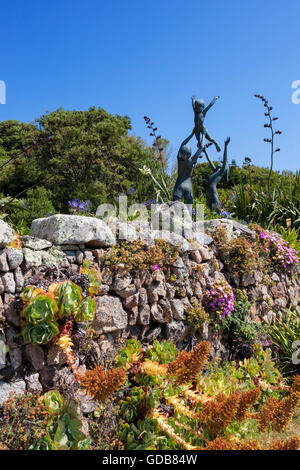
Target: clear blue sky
x=139 y=57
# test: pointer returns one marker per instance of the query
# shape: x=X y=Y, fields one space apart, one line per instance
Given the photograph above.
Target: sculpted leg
x=210 y=139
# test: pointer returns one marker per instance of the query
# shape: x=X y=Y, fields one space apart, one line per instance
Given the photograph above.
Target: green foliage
x=63 y=426
x=36 y=204
x=238 y=326
x=284 y=335
x=131 y=353
x=40 y=333
x=143 y=435
x=134 y=255
x=162 y=352
x=86 y=310
x=159 y=415
x=289 y=235
x=69 y=298
x=42 y=308
x=94 y=276
x=73 y=154
x=196 y=315
x=259 y=368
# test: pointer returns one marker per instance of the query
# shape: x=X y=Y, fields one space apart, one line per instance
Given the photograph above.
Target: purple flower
x=155 y=267
x=131 y=191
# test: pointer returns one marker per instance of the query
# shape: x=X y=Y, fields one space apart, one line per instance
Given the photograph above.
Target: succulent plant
x=40 y=333
x=41 y=308
x=86 y=310
x=69 y=298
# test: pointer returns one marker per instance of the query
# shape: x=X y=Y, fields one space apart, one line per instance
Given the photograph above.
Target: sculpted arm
x=209 y=160
x=186 y=140
x=193 y=102
x=210 y=104
x=225 y=159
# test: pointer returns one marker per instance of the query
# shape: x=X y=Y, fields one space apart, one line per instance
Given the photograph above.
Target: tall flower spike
x=101 y=384
x=188 y=365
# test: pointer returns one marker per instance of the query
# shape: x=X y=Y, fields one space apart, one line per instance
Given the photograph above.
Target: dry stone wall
x=145 y=305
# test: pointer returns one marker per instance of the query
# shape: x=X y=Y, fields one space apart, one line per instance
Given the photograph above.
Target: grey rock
x=14 y=257
x=121 y=282
x=248 y=279
x=3 y=261
x=86 y=403
x=32 y=257
x=64 y=229
x=172 y=238
x=131 y=302
x=211 y=225
x=171 y=216
x=127 y=292
x=79 y=257
x=144 y=315
x=157 y=313
x=88 y=255
x=35 y=243
x=108 y=347
x=35 y=354
x=7 y=234
x=10 y=309
x=177 y=309
x=1 y=287
x=16 y=388
x=166 y=309
x=57 y=379
x=205 y=253
x=152 y=334
x=243 y=228
x=110 y=315
x=53 y=256
x=127 y=232
x=133 y=331
x=176 y=331
x=15 y=355
x=55 y=356
x=33 y=385
x=196 y=256
x=9 y=283
x=19 y=279
x=69 y=247
x=104 y=289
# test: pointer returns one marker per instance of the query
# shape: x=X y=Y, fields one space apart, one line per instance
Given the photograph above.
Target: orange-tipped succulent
x=101 y=384
x=188 y=365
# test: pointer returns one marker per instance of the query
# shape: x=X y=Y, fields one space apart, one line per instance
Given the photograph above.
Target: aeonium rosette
x=220 y=298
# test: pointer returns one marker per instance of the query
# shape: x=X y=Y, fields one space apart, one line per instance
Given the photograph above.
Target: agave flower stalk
x=273 y=132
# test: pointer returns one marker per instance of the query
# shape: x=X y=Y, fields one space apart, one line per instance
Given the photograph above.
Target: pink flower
x=155 y=267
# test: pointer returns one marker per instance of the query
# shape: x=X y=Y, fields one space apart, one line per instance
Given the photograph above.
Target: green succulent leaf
x=86 y=310
x=69 y=298
x=41 y=333
x=53 y=400
x=27 y=294
x=41 y=309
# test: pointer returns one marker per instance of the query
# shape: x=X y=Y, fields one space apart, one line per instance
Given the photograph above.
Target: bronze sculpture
x=199 y=116
x=183 y=186
x=212 y=197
